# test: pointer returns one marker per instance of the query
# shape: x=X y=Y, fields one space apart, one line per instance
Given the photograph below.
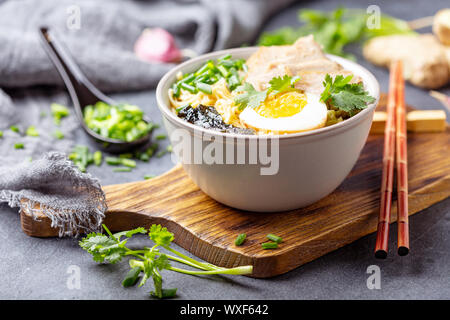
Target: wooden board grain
x=208 y=229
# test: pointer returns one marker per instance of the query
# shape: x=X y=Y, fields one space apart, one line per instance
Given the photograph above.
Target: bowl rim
x=368 y=77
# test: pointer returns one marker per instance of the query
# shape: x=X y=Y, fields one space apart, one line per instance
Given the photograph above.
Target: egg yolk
x=283 y=105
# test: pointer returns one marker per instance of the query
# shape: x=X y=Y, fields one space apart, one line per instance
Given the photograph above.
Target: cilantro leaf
x=249 y=96
x=283 y=84
x=348 y=97
x=102 y=248
x=162 y=262
x=348 y=101
x=253 y=98
x=160 y=236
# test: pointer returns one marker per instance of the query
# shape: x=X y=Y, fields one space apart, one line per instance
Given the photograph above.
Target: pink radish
x=157 y=45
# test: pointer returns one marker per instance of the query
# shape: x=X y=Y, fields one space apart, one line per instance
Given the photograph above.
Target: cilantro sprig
x=345 y=96
x=250 y=97
x=336 y=29
x=149 y=262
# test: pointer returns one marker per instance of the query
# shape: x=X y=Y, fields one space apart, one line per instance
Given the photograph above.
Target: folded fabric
x=54 y=186
x=100 y=34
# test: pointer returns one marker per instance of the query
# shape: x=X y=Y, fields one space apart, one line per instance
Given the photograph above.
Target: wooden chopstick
x=387 y=181
x=401 y=167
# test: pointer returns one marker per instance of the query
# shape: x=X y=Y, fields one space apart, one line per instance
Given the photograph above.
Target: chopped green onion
x=58 y=134
x=113 y=161
x=161 y=153
x=32 y=132
x=233 y=82
x=203 y=69
x=147 y=154
x=274 y=238
x=97 y=158
x=181 y=108
x=120 y=161
x=58 y=112
x=15 y=129
x=227 y=64
x=176 y=91
x=126 y=155
x=240 y=239
x=143 y=156
x=188 y=78
x=128 y=163
x=188 y=87
x=234 y=72
x=165 y=293
x=132 y=277
x=208 y=74
x=149 y=176
x=203 y=87
x=269 y=245
x=81 y=157
x=152 y=126
x=1 y=133
x=19 y=146
x=240 y=64
x=121 y=122
x=161 y=137
x=223 y=71
x=225 y=57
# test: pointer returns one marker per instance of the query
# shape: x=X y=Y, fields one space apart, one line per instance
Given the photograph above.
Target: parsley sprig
x=149 y=261
x=250 y=97
x=346 y=96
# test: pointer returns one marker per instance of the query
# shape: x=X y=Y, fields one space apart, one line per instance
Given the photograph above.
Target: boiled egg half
x=289 y=112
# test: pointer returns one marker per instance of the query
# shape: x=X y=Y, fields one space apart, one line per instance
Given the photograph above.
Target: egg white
x=312 y=116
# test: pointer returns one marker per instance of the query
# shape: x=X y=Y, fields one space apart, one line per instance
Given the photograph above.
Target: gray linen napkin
x=102 y=46
x=102 y=41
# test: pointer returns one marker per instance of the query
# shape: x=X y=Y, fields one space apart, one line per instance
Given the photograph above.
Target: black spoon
x=83 y=92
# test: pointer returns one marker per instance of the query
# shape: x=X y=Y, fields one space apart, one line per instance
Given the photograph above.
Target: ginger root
x=441 y=26
x=424 y=58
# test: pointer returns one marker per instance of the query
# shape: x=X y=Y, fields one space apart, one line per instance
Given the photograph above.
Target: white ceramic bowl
x=311 y=164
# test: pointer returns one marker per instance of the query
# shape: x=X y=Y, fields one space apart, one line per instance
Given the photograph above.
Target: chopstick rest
x=416 y=121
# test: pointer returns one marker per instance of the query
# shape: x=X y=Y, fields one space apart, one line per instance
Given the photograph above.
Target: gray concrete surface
x=33 y=268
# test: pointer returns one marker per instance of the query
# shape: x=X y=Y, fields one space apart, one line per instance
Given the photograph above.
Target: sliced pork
x=304 y=58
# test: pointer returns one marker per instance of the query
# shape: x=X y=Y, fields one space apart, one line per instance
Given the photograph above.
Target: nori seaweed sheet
x=208 y=118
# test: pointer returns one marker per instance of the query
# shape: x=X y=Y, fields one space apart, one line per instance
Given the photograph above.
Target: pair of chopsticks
x=395 y=142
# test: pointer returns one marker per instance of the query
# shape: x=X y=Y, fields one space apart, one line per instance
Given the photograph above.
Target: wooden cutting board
x=208 y=229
